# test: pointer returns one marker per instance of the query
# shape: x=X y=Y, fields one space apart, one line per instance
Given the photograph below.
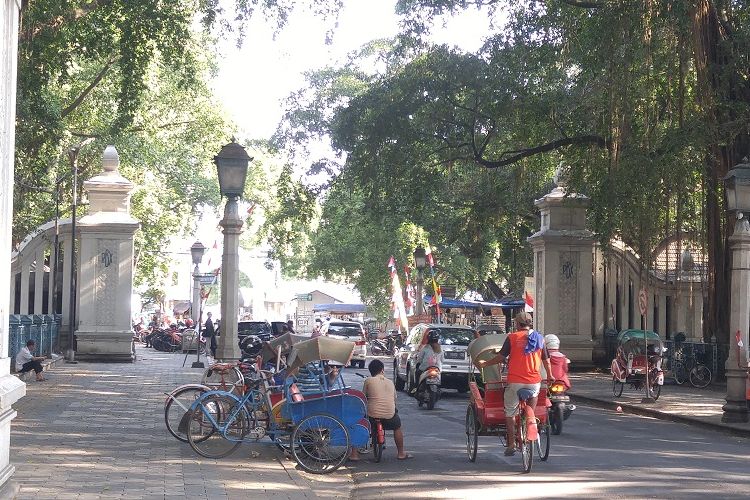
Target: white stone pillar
x=11 y=388
x=25 y=278
x=39 y=281
x=563 y=253
x=105 y=284
x=228 y=348
x=735 y=409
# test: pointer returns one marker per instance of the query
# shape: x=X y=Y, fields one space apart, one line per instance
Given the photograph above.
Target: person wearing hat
x=525 y=354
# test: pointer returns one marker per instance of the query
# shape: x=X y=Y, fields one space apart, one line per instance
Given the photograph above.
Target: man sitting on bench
x=25 y=361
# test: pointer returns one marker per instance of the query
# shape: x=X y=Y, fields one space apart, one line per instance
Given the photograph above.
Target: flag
x=529 y=302
x=410 y=300
x=397 y=298
x=437 y=297
x=738 y=337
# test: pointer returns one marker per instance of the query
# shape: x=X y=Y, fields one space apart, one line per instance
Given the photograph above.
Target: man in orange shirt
x=525 y=352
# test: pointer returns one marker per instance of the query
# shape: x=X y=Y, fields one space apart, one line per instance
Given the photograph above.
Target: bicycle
x=690 y=369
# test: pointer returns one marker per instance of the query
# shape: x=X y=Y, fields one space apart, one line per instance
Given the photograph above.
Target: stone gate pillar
x=106 y=264
x=11 y=388
x=563 y=255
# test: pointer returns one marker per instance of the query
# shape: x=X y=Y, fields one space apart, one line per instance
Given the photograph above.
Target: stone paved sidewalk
x=680 y=403
x=96 y=430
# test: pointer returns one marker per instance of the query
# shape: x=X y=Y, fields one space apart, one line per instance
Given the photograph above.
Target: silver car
x=348 y=330
x=453 y=340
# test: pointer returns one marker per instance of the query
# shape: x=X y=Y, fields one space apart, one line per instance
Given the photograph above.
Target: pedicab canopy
x=317 y=349
x=285 y=341
x=485 y=348
x=633 y=340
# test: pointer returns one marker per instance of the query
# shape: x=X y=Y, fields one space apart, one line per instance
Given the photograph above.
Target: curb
x=671 y=417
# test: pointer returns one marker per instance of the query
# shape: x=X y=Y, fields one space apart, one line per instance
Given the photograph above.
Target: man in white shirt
x=25 y=361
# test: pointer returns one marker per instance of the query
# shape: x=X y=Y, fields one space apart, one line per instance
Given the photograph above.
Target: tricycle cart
x=485 y=414
x=638 y=352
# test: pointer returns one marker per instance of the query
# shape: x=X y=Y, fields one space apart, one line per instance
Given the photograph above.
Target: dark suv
x=260 y=329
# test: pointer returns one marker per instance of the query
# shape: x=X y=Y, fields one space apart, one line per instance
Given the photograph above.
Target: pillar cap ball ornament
x=231 y=165
x=737 y=184
x=110 y=159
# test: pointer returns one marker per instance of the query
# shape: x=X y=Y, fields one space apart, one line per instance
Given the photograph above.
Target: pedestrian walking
x=209 y=334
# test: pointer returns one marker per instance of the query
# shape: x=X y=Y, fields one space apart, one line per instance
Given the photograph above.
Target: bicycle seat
x=525 y=394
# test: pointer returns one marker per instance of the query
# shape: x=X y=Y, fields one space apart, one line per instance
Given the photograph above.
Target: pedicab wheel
x=542 y=444
x=556 y=417
x=177 y=406
x=679 y=372
x=217 y=426
x=471 y=433
x=320 y=443
x=617 y=387
x=700 y=376
x=527 y=452
x=397 y=381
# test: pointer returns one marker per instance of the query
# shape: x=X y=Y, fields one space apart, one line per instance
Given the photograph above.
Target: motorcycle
x=379 y=348
x=428 y=387
x=561 y=408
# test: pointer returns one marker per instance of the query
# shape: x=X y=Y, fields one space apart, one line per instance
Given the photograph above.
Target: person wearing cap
x=525 y=354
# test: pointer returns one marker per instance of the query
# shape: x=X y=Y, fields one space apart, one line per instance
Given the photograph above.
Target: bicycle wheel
x=230 y=381
x=471 y=433
x=377 y=448
x=542 y=444
x=527 y=452
x=700 y=376
x=176 y=407
x=617 y=387
x=320 y=443
x=679 y=372
x=217 y=426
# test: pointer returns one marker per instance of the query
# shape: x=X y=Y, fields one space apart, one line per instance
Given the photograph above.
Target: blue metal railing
x=42 y=328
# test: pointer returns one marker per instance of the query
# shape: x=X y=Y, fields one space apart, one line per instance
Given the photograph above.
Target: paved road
x=600 y=454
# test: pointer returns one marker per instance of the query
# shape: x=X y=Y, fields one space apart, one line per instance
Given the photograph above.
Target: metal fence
x=42 y=328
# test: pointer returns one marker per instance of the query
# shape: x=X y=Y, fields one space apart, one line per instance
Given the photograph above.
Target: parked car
x=453 y=341
x=489 y=330
x=348 y=330
x=260 y=329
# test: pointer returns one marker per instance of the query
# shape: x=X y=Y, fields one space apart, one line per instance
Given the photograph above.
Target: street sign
x=304 y=296
x=206 y=279
x=642 y=301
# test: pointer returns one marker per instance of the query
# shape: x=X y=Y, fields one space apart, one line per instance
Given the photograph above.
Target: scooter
x=561 y=408
x=379 y=348
x=428 y=387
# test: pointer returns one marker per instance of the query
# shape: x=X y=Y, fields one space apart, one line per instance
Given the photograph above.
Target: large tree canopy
x=646 y=103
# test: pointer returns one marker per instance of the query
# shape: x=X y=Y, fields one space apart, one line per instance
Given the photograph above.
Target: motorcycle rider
x=557 y=359
x=525 y=353
x=429 y=355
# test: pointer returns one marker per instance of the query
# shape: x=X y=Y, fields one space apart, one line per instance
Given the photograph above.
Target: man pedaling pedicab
x=525 y=353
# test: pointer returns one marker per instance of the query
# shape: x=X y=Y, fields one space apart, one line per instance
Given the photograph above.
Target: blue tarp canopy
x=340 y=308
x=472 y=304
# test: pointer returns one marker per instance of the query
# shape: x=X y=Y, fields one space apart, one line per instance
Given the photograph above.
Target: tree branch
x=544 y=148
x=72 y=106
x=584 y=4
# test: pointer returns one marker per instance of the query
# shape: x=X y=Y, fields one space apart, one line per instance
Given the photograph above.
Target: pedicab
x=485 y=414
x=317 y=428
x=638 y=352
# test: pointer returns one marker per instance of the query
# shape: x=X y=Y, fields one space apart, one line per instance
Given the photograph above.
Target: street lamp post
x=737 y=183
x=196 y=252
x=231 y=165
x=420 y=262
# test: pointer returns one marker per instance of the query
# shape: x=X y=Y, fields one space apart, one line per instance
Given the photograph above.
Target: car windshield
x=345 y=330
x=455 y=336
x=252 y=327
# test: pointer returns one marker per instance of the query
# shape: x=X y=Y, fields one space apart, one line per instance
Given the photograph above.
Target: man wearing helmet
x=525 y=353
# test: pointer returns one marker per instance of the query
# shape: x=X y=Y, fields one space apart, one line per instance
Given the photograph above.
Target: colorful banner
x=397 y=298
x=410 y=296
x=437 y=297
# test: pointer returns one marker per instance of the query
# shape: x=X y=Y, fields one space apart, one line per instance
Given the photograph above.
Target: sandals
x=509 y=452
x=407 y=457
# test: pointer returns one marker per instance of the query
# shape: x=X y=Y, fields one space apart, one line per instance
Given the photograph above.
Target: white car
x=348 y=330
x=453 y=342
